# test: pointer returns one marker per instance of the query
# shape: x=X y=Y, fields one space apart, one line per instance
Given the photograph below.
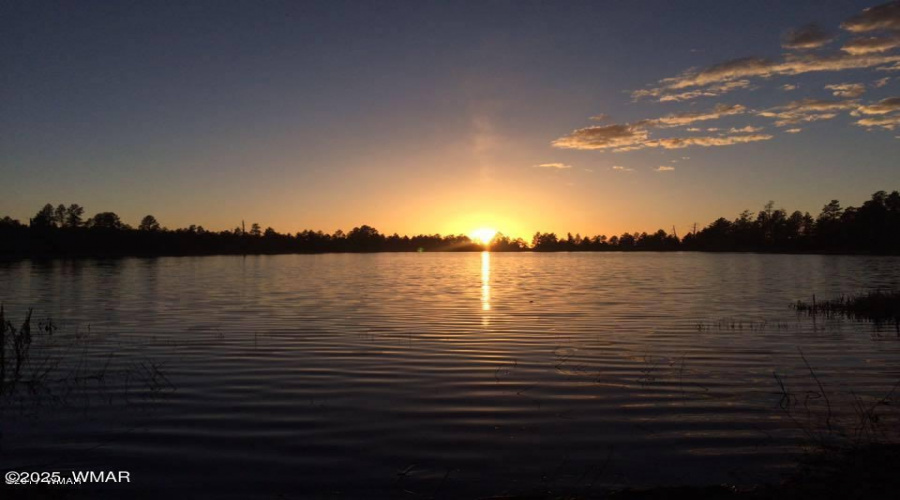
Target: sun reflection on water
x=485 y=281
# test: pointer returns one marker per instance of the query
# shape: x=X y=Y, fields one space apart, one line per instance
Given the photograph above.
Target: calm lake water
x=440 y=375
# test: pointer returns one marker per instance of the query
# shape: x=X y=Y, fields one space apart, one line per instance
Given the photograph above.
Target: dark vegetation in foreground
x=854 y=457
x=879 y=307
x=873 y=228
x=39 y=367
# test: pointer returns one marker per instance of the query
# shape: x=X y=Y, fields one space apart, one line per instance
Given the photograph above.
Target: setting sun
x=477 y=249
x=483 y=235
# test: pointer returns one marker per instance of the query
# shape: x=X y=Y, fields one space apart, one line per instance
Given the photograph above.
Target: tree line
x=63 y=230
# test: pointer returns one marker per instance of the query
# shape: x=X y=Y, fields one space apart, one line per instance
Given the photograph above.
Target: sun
x=483 y=235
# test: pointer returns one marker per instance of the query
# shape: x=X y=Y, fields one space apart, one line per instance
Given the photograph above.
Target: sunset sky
x=425 y=116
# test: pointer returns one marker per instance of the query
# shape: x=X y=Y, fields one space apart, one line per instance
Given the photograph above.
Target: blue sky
x=435 y=116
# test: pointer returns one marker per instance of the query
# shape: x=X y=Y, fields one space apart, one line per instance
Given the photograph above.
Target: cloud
x=683 y=142
x=603 y=137
x=873 y=51
x=620 y=168
x=882 y=107
x=745 y=130
x=793 y=131
x=560 y=166
x=847 y=89
x=620 y=138
x=887 y=122
x=807 y=110
x=810 y=36
x=682 y=119
x=749 y=67
x=664 y=168
x=711 y=91
x=601 y=117
x=872 y=44
x=881 y=17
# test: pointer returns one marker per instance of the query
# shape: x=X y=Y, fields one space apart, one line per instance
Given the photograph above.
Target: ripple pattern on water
x=466 y=374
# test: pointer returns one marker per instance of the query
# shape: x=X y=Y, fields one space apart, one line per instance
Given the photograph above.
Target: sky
x=443 y=117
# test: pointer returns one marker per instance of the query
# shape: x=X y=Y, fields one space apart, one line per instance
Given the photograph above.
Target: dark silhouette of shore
x=873 y=228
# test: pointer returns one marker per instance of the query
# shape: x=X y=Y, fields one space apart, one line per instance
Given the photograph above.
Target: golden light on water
x=483 y=235
x=485 y=281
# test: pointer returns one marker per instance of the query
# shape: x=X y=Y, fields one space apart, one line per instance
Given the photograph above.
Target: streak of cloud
x=558 y=166
x=811 y=36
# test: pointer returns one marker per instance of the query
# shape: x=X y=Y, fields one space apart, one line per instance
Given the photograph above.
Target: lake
x=441 y=375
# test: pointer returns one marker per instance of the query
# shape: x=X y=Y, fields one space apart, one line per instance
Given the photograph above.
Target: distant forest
x=872 y=228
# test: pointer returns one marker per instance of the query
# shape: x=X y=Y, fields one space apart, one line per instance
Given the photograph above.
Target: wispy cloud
x=560 y=166
x=711 y=91
x=603 y=137
x=744 y=130
x=806 y=54
x=886 y=122
x=749 y=67
x=872 y=44
x=857 y=53
x=619 y=168
x=624 y=138
x=683 y=142
x=882 y=107
x=664 y=168
x=811 y=36
x=806 y=110
x=884 y=114
x=687 y=118
x=847 y=89
x=881 y=17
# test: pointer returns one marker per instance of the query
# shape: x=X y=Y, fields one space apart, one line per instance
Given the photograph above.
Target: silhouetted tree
x=874 y=227
x=149 y=223
x=44 y=218
x=73 y=215
x=106 y=220
x=9 y=222
x=59 y=215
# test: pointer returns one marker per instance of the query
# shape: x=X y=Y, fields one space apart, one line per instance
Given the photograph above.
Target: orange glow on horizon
x=483 y=235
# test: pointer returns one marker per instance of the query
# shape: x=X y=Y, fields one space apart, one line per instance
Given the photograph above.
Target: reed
x=38 y=368
x=879 y=307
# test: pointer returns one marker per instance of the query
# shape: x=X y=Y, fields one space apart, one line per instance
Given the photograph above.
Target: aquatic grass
x=736 y=324
x=38 y=368
x=813 y=412
x=880 y=307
